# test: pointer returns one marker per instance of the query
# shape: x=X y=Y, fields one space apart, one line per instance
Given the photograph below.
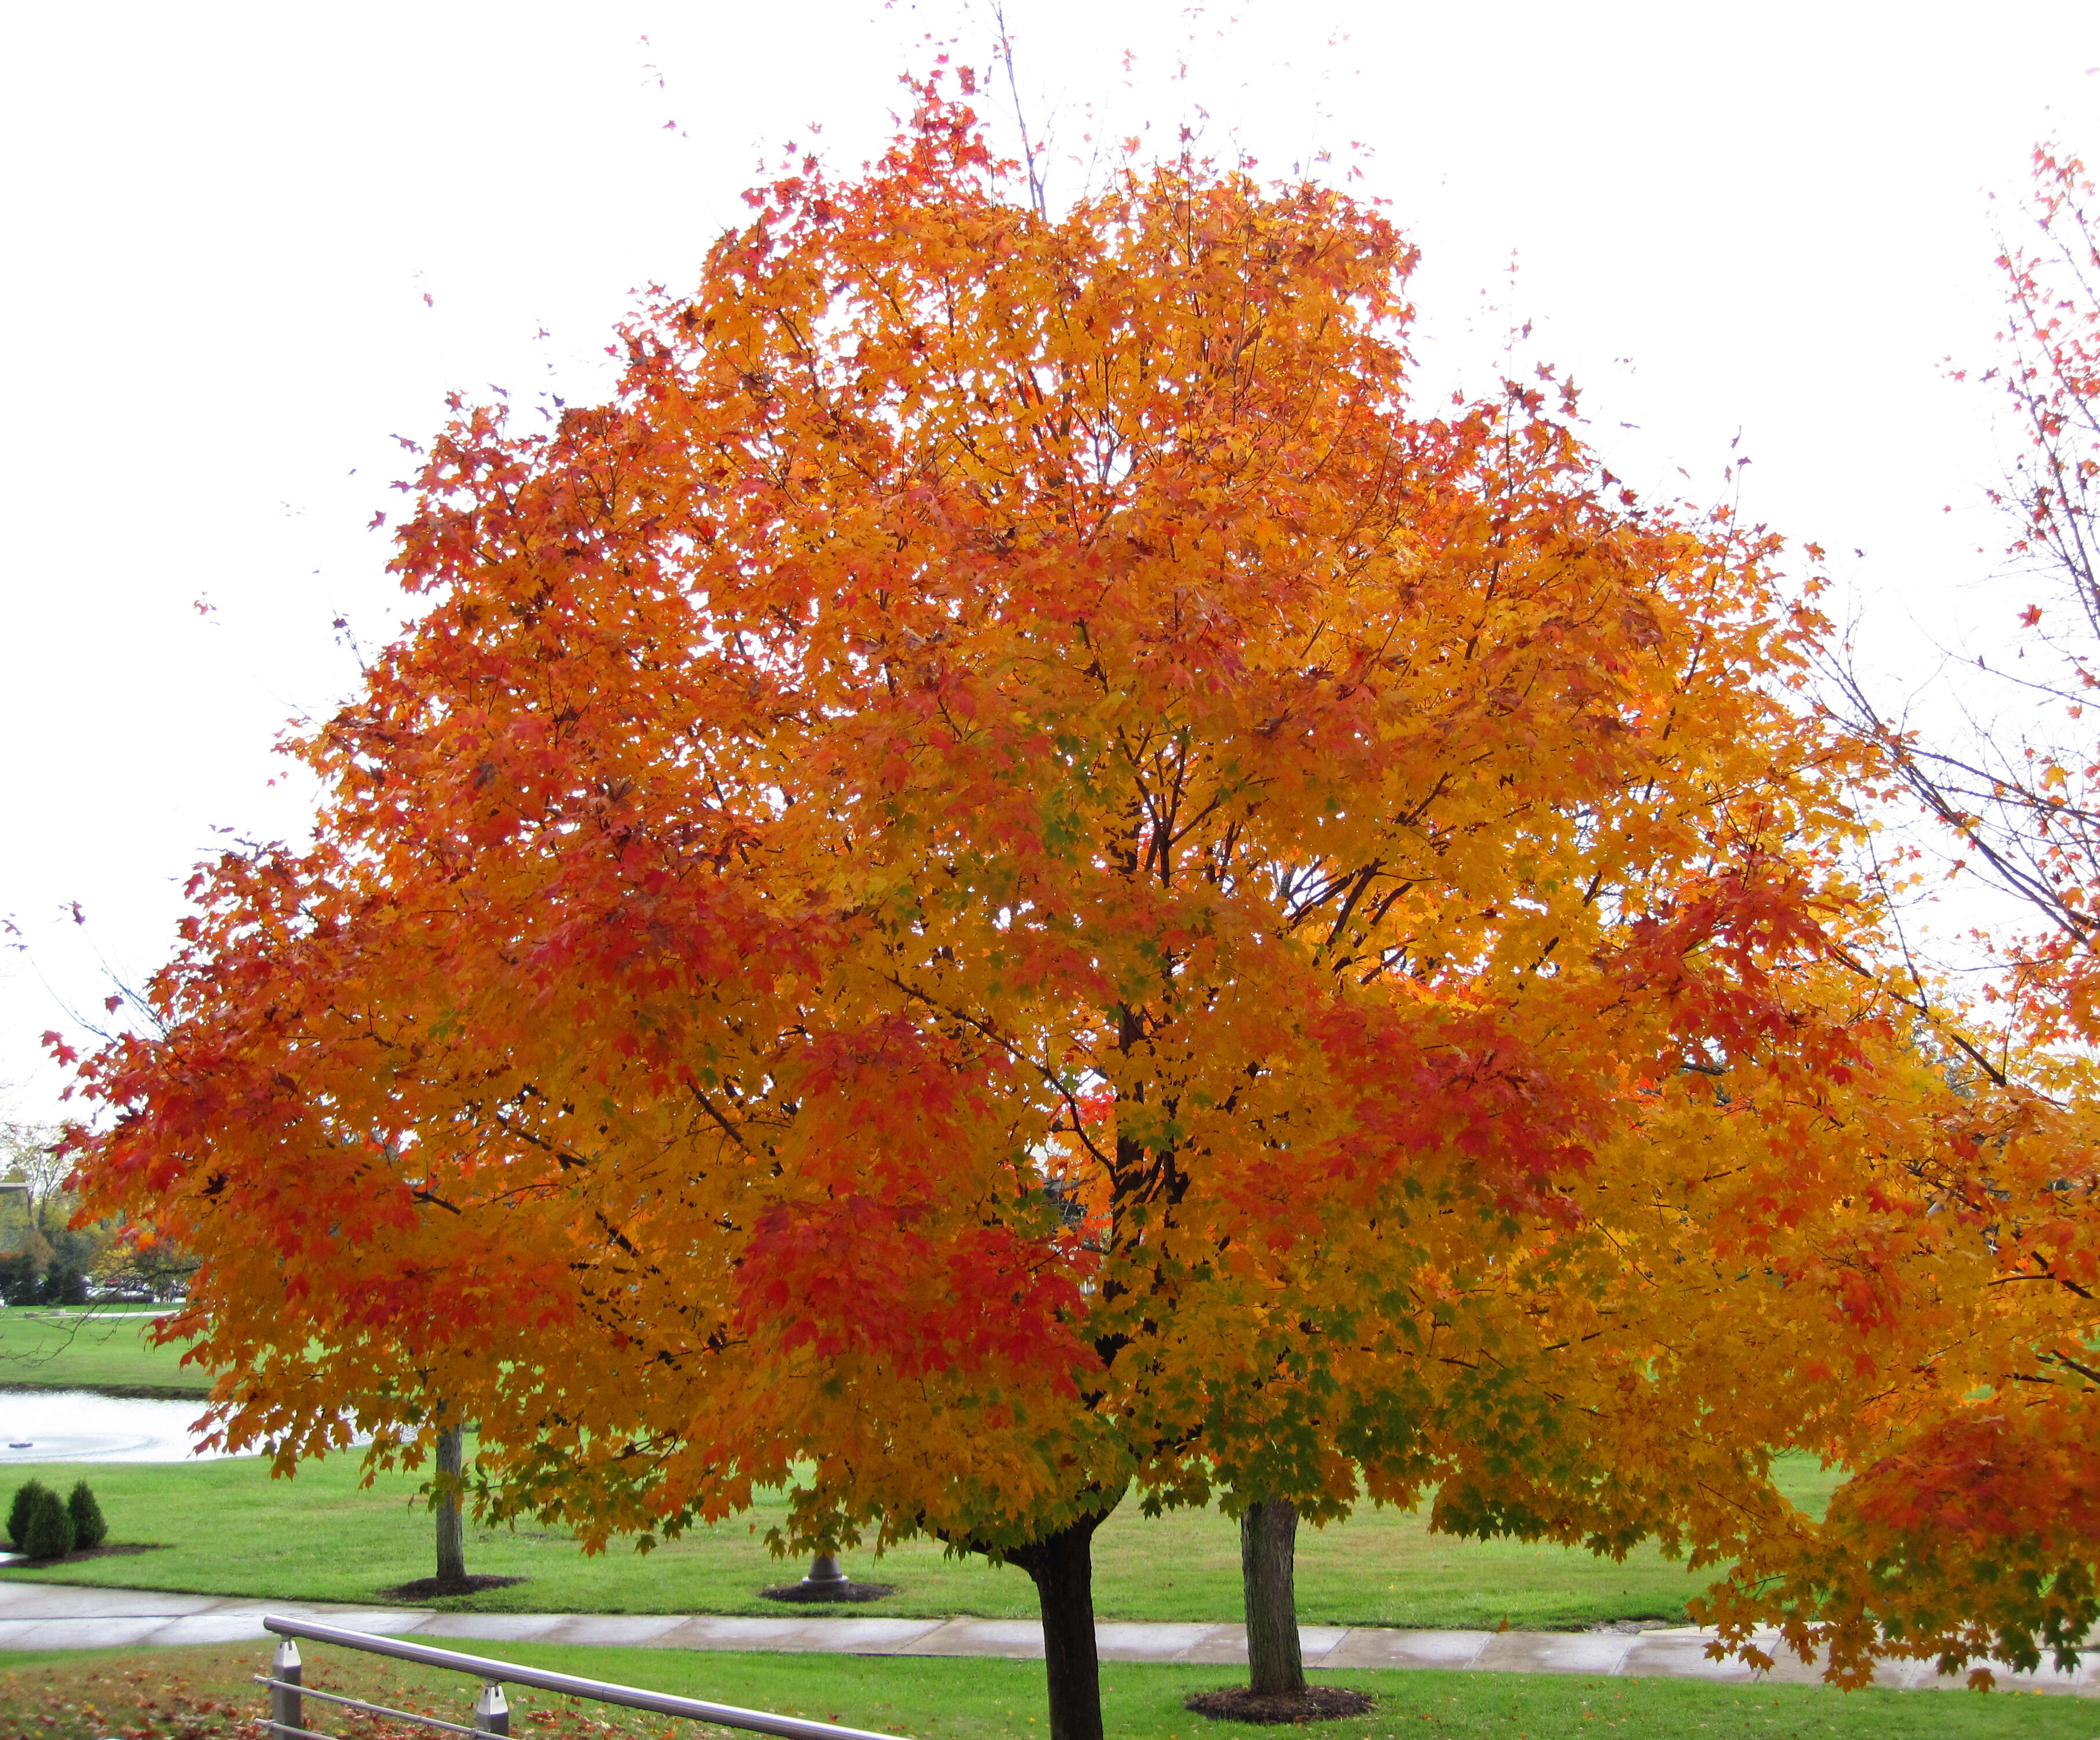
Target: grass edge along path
x=228 y=1529
x=78 y=1692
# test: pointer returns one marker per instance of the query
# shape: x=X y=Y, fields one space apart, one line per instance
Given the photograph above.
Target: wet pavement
x=66 y=1616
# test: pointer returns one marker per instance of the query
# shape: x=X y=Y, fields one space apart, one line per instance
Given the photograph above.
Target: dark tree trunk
x=1062 y=1568
x=1268 y=1550
x=452 y=1532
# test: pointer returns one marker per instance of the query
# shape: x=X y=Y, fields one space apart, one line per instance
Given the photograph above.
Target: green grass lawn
x=95 y=1348
x=196 y=1694
x=227 y=1528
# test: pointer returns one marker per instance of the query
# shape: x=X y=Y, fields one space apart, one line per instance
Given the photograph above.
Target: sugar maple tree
x=2021 y=796
x=1999 y=1496
x=1006 y=877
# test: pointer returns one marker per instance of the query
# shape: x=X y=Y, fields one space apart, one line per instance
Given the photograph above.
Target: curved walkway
x=70 y=1616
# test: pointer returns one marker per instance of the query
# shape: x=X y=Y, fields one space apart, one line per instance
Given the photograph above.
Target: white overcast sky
x=222 y=224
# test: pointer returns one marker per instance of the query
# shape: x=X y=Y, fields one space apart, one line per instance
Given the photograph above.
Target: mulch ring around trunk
x=828 y=1591
x=80 y=1555
x=1316 y=1704
x=423 y=1588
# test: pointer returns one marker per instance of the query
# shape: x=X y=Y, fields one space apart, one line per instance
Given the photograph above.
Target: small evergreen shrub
x=64 y=1284
x=18 y=1512
x=89 y=1529
x=49 y=1533
x=19 y=1280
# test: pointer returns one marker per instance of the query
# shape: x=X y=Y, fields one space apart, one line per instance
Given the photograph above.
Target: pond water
x=77 y=1425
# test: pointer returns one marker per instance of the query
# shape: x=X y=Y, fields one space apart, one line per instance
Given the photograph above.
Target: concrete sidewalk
x=66 y=1616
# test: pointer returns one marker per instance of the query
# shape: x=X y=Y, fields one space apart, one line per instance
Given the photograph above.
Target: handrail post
x=287 y=1708
x=491 y=1711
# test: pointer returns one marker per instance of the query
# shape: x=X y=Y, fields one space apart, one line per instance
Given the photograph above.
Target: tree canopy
x=1009 y=875
x=2002 y=1491
x=2017 y=791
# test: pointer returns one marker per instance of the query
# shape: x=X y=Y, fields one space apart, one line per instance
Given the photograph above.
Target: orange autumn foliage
x=1007 y=877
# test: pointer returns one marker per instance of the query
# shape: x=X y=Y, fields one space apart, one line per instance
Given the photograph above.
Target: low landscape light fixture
x=824 y=1572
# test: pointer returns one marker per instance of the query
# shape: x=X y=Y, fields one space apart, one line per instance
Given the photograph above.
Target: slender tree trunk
x=1062 y=1568
x=1269 y=1551
x=452 y=1533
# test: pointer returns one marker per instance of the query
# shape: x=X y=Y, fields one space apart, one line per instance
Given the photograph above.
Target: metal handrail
x=541 y=1679
x=357 y=1703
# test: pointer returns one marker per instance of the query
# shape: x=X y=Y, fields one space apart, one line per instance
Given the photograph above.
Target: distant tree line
x=47 y=1260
